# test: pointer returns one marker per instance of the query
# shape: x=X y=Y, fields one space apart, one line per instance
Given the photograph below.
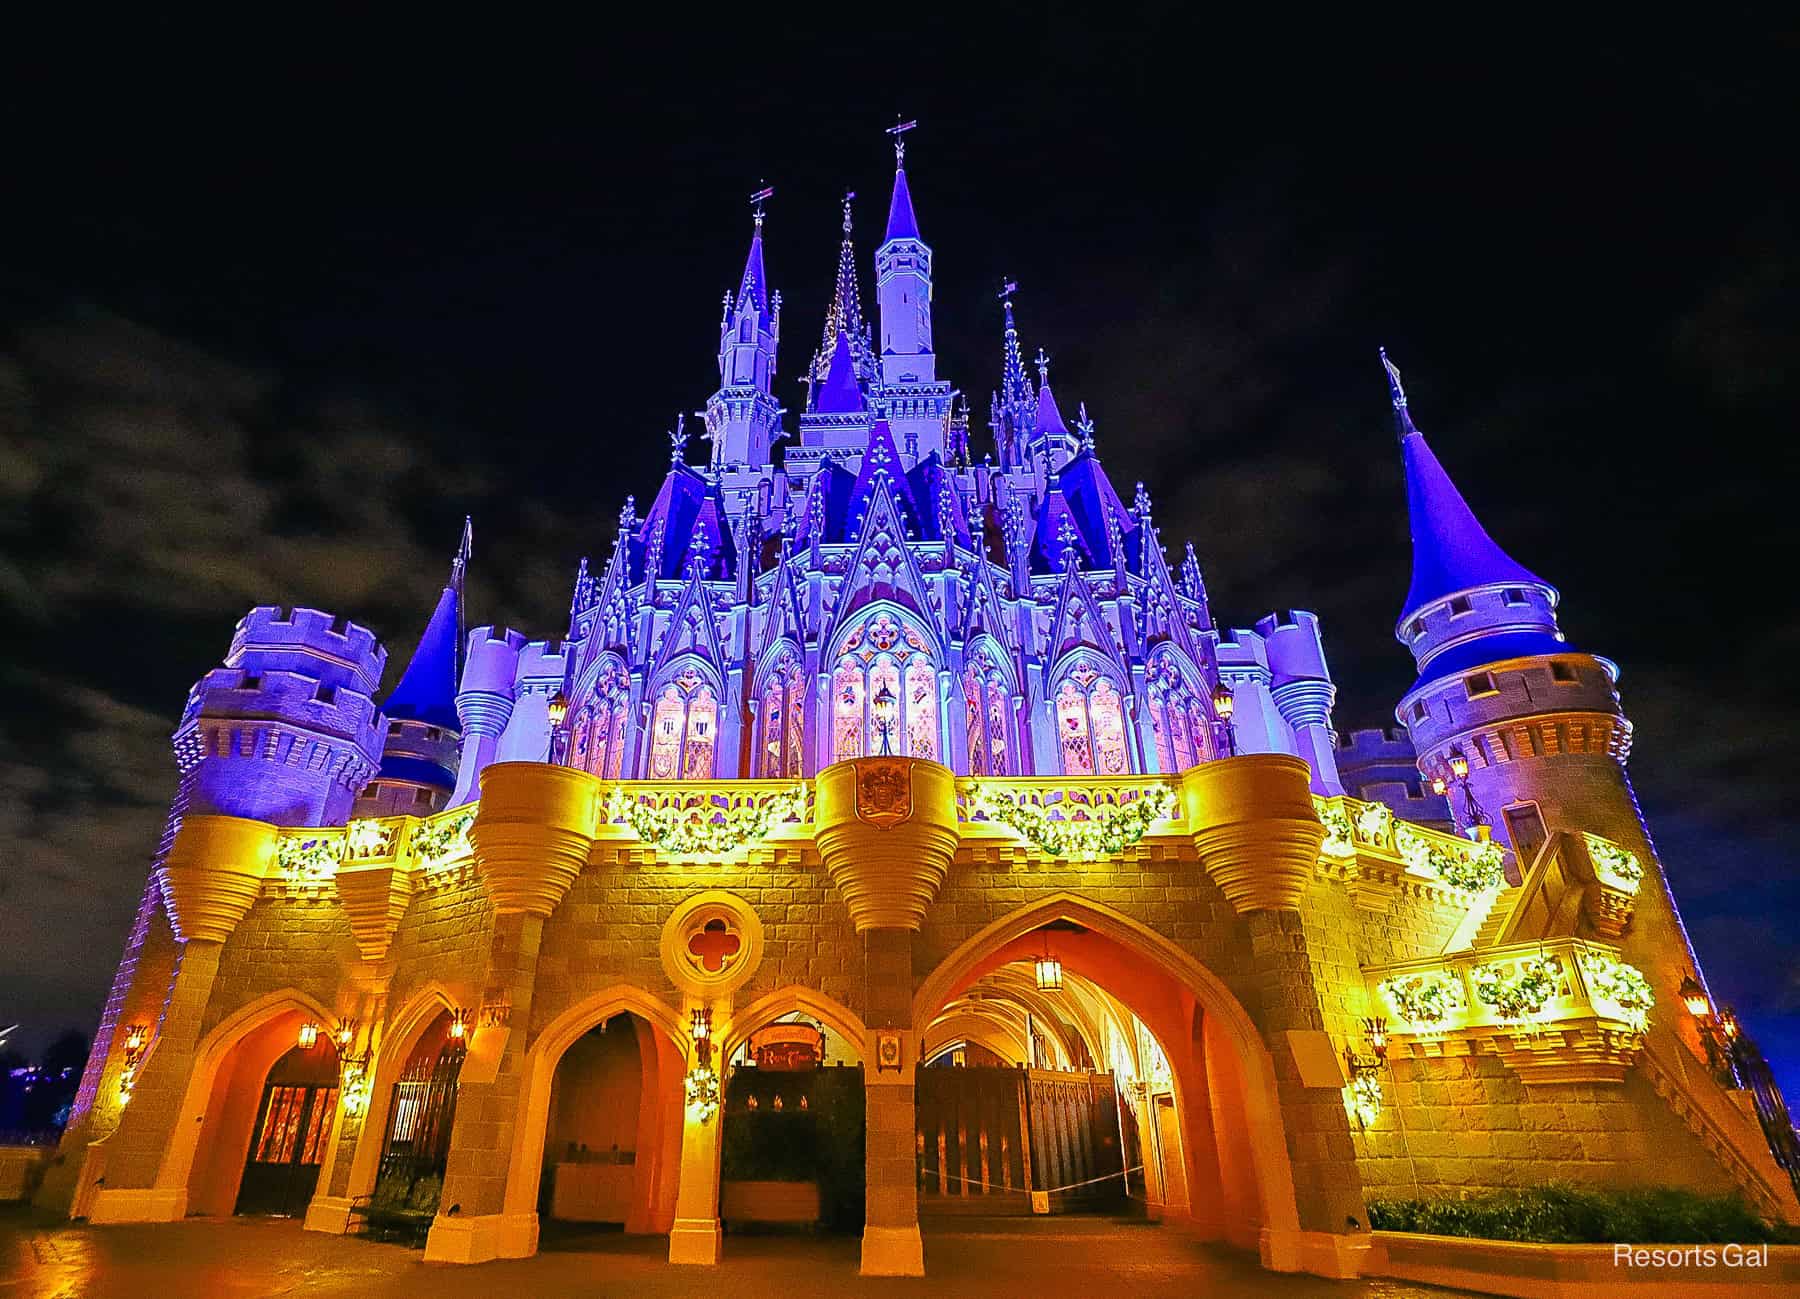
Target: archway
x=793 y=1118
x=599 y=1136
x=226 y=1100
x=428 y=1012
x=1221 y=1137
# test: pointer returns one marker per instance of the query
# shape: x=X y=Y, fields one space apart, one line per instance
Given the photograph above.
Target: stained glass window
x=1177 y=716
x=597 y=739
x=683 y=729
x=782 y=716
x=885 y=652
x=987 y=699
x=1090 y=723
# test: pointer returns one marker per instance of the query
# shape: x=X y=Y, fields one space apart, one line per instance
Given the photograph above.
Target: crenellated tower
x=287 y=730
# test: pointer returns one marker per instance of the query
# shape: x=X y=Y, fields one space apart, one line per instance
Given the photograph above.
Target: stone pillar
x=695 y=1236
x=1257 y=835
x=531 y=839
x=886 y=830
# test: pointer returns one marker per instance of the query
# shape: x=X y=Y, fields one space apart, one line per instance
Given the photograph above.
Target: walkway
x=245 y=1258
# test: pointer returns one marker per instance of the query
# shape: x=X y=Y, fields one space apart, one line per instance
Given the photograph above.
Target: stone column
x=531 y=840
x=886 y=830
x=1257 y=835
x=695 y=1236
x=211 y=876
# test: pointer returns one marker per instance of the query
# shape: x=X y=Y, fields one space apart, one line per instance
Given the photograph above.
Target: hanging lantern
x=1049 y=970
x=308 y=1037
x=1459 y=764
x=1694 y=997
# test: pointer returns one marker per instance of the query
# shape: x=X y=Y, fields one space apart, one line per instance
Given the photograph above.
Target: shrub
x=1562 y=1214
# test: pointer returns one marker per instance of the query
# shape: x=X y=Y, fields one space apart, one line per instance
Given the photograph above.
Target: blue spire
x=427 y=689
x=902 y=224
x=1452 y=552
x=840 y=394
x=754 y=288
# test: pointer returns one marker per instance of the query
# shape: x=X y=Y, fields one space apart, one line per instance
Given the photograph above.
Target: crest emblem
x=883 y=792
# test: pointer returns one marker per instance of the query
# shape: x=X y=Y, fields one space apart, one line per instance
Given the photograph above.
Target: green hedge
x=1562 y=1214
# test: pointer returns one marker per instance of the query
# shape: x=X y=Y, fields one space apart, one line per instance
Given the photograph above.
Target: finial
x=628 y=514
x=1007 y=289
x=1043 y=366
x=757 y=200
x=465 y=547
x=1085 y=427
x=1140 y=504
x=849 y=194
x=678 y=440
x=1065 y=538
x=1402 y=417
x=898 y=131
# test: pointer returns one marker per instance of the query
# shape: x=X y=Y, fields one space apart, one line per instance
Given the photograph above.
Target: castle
x=894 y=831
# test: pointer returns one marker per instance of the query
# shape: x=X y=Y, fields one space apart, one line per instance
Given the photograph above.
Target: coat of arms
x=883 y=792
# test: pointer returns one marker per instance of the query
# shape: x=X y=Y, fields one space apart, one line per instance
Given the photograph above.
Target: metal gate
x=987 y=1137
x=420 y=1117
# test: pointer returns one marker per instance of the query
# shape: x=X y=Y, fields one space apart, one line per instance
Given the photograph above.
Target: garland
x=1620 y=985
x=1362 y=1099
x=304 y=859
x=702 y=1086
x=1112 y=829
x=369 y=838
x=1614 y=865
x=1338 y=835
x=1521 y=995
x=1374 y=822
x=1423 y=1000
x=436 y=842
x=1480 y=867
x=706 y=831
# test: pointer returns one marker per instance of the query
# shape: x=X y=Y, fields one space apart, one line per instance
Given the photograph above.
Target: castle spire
x=427 y=689
x=903 y=284
x=901 y=224
x=742 y=415
x=844 y=317
x=1452 y=552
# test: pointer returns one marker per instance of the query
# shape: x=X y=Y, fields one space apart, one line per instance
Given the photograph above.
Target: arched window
x=782 y=717
x=1090 y=723
x=684 y=728
x=1177 y=716
x=884 y=652
x=988 y=698
x=597 y=739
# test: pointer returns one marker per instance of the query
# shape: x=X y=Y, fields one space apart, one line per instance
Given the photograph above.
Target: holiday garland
x=707 y=830
x=436 y=842
x=308 y=859
x=1338 y=835
x=1620 y=985
x=1522 y=994
x=369 y=838
x=1110 y=831
x=1362 y=1098
x=1614 y=865
x=1374 y=822
x=1480 y=866
x=1423 y=1000
x=702 y=1086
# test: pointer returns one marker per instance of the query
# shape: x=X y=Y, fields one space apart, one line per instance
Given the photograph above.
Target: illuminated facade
x=935 y=753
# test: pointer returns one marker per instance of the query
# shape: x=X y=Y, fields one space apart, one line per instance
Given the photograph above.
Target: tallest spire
x=844 y=317
x=902 y=224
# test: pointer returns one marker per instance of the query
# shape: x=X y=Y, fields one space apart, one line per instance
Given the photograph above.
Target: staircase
x=1500 y=909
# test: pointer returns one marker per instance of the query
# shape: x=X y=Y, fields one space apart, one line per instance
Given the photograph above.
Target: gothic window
x=1178 y=718
x=684 y=728
x=782 y=716
x=597 y=739
x=987 y=697
x=885 y=652
x=1090 y=723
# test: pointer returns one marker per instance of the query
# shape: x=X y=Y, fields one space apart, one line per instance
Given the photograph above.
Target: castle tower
x=903 y=287
x=843 y=319
x=1539 y=722
x=424 y=739
x=287 y=730
x=742 y=415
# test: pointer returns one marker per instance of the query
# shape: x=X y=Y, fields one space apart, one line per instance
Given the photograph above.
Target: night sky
x=275 y=316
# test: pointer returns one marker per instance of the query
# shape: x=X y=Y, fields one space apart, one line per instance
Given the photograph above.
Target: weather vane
x=757 y=200
x=1043 y=366
x=1007 y=289
x=898 y=131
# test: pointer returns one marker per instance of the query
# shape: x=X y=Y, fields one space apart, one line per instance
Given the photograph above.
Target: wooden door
x=286 y=1148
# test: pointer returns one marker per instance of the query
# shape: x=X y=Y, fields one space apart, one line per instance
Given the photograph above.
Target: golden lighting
x=135 y=1037
x=1223 y=704
x=345 y=1034
x=308 y=1037
x=1694 y=997
x=1049 y=973
x=702 y=1024
x=1439 y=785
x=559 y=708
x=1459 y=763
x=459 y=1025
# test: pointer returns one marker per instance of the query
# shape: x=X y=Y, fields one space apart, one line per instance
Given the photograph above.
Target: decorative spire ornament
x=898 y=131
x=1085 y=427
x=678 y=440
x=1403 y=424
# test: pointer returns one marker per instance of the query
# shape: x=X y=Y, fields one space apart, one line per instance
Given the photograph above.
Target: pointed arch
x=685 y=706
x=601 y=726
x=989 y=689
x=788 y=1000
x=1087 y=690
x=1181 y=718
x=885 y=647
x=538 y=1072
x=1218 y=1054
x=779 y=732
x=401 y=1033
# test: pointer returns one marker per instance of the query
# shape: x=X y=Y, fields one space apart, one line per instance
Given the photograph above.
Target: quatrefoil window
x=714 y=946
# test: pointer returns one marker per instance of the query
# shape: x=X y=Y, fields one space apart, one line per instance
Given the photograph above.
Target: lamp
x=308 y=1036
x=1376 y=1028
x=1049 y=970
x=135 y=1037
x=559 y=708
x=459 y=1025
x=345 y=1035
x=1459 y=763
x=1223 y=707
x=1694 y=997
x=701 y=1029
x=1360 y=1066
x=1439 y=786
x=887 y=710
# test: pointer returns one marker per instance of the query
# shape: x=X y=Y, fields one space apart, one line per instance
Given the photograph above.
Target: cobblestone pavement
x=242 y=1257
